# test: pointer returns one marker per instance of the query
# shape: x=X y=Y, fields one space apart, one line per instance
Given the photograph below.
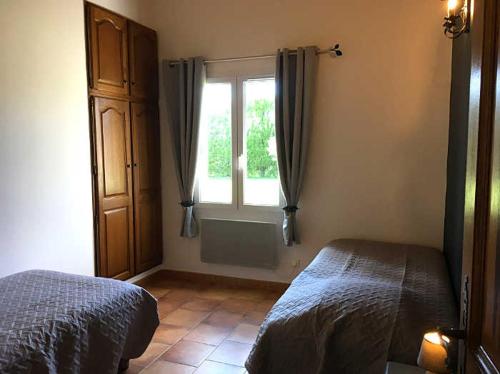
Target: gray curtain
x=183 y=92
x=295 y=81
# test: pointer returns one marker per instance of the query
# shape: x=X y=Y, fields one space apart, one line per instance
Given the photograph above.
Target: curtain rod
x=333 y=51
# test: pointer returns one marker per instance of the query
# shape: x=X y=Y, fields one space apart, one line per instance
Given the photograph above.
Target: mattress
x=358 y=305
x=52 y=322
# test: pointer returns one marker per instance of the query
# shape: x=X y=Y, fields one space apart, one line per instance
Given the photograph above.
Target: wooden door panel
x=490 y=331
x=490 y=334
x=145 y=141
x=114 y=184
x=482 y=245
x=146 y=231
x=114 y=136
x=143 y=61
x=489 y=347
x=147 y=190
x=108 y=51
x=109 y=42
x=116 y=227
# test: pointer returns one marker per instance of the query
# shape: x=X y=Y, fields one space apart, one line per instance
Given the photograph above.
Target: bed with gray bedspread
x=356 y=306
x=52 y=322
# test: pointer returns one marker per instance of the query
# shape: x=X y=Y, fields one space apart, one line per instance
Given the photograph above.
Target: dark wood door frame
x=484 y=42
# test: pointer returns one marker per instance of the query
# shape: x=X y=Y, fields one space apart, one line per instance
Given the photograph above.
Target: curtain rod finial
x=334 y=51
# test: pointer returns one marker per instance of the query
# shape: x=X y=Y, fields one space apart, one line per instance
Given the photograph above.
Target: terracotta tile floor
x=203 y=329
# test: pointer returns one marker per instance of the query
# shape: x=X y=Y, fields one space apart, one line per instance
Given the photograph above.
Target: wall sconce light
x=457 y=21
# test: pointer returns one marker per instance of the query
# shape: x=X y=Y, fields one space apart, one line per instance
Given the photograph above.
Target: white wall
x=379 y=141
x=378 y=148
x=45 y=184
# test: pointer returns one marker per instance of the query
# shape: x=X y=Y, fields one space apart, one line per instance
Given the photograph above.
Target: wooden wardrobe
x=122 y=64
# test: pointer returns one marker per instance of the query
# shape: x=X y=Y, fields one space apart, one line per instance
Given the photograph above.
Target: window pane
x=215 y=150
x=261 y=184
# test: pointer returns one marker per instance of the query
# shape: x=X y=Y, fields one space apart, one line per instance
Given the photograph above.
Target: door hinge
x=92 y=109
x=465 y=303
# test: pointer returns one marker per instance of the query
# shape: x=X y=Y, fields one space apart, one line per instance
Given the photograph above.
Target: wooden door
x=487 y=266
x=147 y=191
x=114 y=188
x=481 y=311
x=143 y=61
x=488 y=348
x=108 y=51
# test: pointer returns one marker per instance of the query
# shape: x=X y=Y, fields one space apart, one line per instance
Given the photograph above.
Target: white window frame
x=237 y=142
x=241 y=146
x=234 y=150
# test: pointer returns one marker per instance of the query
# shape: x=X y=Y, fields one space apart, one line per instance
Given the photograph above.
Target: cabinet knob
x=128 y=165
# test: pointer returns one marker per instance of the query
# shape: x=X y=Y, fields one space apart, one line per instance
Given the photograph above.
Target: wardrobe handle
x=128 y=165
x=135 y=165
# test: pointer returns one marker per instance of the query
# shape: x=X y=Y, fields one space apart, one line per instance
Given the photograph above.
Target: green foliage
x=219 y=146
x=260 y=134
x=260 y=163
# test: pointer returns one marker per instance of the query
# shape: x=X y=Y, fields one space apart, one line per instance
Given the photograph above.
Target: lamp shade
x=433 y=354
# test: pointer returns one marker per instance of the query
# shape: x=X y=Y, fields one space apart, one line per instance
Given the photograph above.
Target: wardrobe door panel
x=114 y=185
x=147 y=191
x=114 y=142
x=116 y=227
x=143 y=62
x=148 y=245
x=108 y=51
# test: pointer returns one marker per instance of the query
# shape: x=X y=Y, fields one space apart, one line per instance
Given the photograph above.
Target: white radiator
x=243 y=243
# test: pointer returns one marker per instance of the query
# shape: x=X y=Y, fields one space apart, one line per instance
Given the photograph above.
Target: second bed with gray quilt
x=358 y=305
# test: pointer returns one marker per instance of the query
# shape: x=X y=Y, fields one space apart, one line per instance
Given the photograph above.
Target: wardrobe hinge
x=96 y=221
x=91 y=106
x=465 y=303
x=94 y=169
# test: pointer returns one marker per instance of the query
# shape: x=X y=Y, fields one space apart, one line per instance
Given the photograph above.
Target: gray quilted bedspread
x=358 y=305
x=53 y=322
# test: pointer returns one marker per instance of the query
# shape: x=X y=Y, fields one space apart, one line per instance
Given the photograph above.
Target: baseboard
x=216 y=280
x=145 y=274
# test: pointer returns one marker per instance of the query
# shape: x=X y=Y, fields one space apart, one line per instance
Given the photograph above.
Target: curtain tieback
x=291 y=208
x=187 y=203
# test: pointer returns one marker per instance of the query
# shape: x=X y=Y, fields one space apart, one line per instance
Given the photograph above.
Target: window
x=215 y=159
x=261 y=185
x=237 y=161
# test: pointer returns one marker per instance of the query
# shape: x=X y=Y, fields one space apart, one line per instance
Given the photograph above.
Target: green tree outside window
x=260 y=138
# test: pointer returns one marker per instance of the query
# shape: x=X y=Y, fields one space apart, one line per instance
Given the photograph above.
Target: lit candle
x=433 y=354
x=452 y=7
